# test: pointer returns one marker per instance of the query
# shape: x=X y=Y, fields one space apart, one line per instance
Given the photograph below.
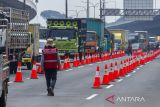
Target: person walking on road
x=50 y=64
x=129 y=50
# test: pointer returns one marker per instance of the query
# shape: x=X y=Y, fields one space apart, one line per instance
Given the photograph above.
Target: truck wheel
x=3 y=98
x=29 y=66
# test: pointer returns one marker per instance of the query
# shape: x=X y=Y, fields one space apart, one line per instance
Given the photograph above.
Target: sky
x=59 y=5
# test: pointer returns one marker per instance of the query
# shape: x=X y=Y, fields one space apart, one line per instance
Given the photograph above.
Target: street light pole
x=24 y=4
x=84 y=7
x=100 y=9
x=76 y=12
x=94 y=6
x=87 y=8
x=66 y=8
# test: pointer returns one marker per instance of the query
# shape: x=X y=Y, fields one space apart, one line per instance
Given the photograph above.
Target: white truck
x=14 y=38
x=4 y=63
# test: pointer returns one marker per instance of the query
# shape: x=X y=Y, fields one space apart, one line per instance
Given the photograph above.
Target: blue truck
x=91 y=38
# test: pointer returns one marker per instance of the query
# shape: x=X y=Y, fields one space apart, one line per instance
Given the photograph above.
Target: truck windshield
x=90 y=36
x=62 y=33
x=152 y=40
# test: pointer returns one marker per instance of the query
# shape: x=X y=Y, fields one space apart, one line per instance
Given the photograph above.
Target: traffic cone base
x=34 y=74
x=39 y=71
x=96 y=84
x=18 y=77
x=105 y=80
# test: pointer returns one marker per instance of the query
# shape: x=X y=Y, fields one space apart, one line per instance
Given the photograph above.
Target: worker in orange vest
x=50 y=64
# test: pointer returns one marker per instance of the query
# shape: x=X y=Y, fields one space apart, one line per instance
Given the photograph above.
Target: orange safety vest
x=50 y=58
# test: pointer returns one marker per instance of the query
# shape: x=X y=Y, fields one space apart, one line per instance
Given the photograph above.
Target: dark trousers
x=13 y=67
x=51 y=77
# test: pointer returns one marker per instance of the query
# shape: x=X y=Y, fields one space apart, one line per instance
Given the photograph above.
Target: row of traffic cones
x=123 y=68
x=89 y=58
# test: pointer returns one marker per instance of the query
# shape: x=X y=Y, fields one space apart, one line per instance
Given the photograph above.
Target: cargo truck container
x=92 y=37
x=4 y=63
x=17 y=36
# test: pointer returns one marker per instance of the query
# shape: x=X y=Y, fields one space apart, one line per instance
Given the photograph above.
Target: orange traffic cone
x=39 y=69
x=78 y=61
x=97 y=81
x=68 y=62
x=83 y=61
x=65 y=66
x=116 y=71
x=34 y=71
x=105 y=80
x=18 y=77
x=111 y=74
x=121 y=69
x=75 y=61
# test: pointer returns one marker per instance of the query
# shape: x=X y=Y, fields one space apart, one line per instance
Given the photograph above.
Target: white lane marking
x=67 y=70
x=70 y=69
x=99 y=62
x=120 y=80
x=10 y=82
x=128 y=75
x=81 y=67
x=90 y=64
x=109 y=86
x=91 y=97
x=134 y=71
x=138 y=68
x=28 y=78
x=141 y=66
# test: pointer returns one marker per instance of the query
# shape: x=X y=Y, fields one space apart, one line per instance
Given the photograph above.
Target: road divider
x=123 y=68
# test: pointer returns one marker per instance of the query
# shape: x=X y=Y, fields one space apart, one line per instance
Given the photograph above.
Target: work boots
x=50 y=92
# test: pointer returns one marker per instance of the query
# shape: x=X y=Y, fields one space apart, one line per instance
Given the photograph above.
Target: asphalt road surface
x=141 y=88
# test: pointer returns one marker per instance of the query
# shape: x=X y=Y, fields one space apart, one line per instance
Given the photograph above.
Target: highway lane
x=144 y=84
x=73 y=88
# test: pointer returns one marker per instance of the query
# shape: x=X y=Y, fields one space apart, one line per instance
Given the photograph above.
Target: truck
x=138 y=40
x=32 y=51
x=4 y=63
x=65 y=34
x=14 y=38
x=110 y=40
x=91 y=38
x=17 y=37
x=142 y=38
x=77 y=35
x=120 y=38
x=152 y=42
